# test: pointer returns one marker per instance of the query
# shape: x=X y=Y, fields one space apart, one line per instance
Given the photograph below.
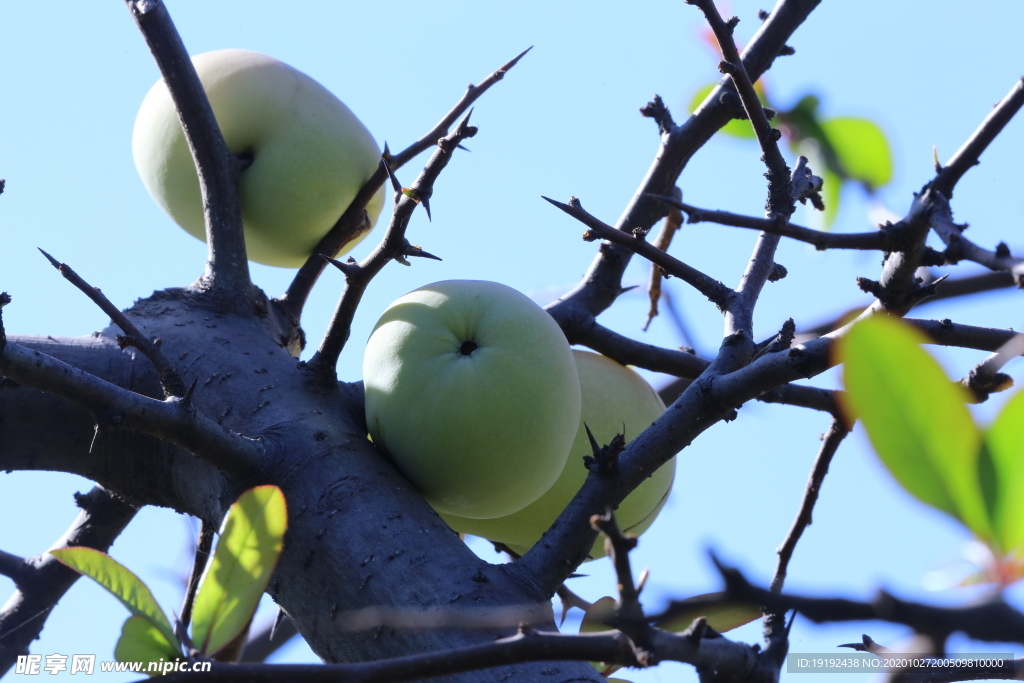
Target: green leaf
x=722 y=617
x=121 y=583
x=831 y=189
x=142 y=641
x=250 y=543
x=1004 y=446
x=736 y=128
x=861 y=148
x=915 y=417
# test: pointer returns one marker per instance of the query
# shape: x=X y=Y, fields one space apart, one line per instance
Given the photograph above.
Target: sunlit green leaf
x=862 y=149
x=722 y=617
x=250 y=543
x=736 y=128
x=142 y=641
x=916 y=418
x=1004 y=444
x=121 y=583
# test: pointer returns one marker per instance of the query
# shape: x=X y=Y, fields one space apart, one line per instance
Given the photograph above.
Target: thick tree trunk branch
x=227 y=268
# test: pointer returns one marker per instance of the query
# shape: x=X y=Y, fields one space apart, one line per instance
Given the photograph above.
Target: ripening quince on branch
x=309 y=154
x=471 y=389
x=613 y=398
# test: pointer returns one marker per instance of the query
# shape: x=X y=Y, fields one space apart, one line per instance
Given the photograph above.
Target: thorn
x=594 y=446
x=53 y=262
x=387 y=152
x=395 y=185
x=346 y=268
x=559 y=204
x=425 y=201
x=938 y=167
x=277 y=621
x=413 y=250
x=463 y=147
x=512 y=62
x=464 y=123
x=191 y=391
x=627 y=289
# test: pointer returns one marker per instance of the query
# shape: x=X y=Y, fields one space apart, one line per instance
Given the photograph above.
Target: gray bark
x=359 y=536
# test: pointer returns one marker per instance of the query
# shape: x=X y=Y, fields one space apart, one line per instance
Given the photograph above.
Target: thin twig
x=602 y=283
x=985 y=378
x=43 y=581
x=688 y=367
x=880 y=240
x=294 y=299
x=170 y=380
x=227 y=268
x=993 y=620
x=673 y=221
x=950 y=289
x=524 y=647
x=837 y=431
x=202 y=556
x=968 y=155
x=394 y=246
x=715 y=291
x=959 y=248
x=780 y=204
x=629 y=613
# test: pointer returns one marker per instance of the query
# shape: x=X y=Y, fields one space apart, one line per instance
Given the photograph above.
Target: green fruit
x=614 y=398
x=471 y=388
x=310 y=154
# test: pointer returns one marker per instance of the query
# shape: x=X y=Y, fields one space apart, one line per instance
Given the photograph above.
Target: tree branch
x=884 y=239
x=990 y=621
x=837 y=431
x=948 y=289
x=394 y=246
x=294 y=298
x=969 y=154
x=715 y=291
x=170 y=380
x=202 y=556
x=603 y=281
x=43 y=581
x=960 y=248
x=11 y=566
x=985 y=378
x=781 y=203
x=174 y=420
x=672 y=223
x=227 y=267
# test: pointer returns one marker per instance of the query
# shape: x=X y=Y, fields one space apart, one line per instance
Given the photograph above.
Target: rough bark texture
x=358 y=537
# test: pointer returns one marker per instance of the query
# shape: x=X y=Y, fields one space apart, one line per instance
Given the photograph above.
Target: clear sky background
x=564 y=122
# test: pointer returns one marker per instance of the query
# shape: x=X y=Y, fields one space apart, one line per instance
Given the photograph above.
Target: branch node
x=605 y=459
x=777 y=273
x=657 y=110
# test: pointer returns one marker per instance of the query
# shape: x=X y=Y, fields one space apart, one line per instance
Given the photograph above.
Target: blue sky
x=564 y=122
